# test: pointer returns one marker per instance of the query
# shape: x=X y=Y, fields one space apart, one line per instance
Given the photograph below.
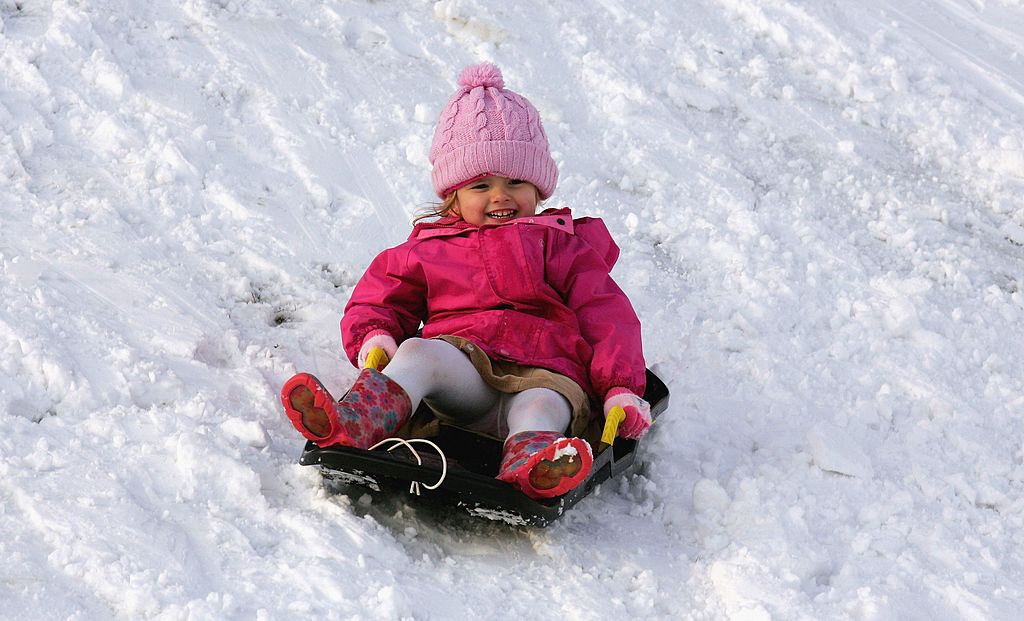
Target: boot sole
x=548 y=474
x=310 y=408
x=313 y=419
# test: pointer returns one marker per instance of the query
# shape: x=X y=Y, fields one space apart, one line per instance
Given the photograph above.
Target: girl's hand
x=377 y=338
x=638 y=412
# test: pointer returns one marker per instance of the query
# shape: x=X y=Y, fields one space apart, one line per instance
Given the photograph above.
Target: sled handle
x=611 y=426
x=376 y=359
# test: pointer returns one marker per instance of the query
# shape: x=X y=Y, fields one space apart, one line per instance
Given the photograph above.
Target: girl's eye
x=479 y=186
x=515 y=181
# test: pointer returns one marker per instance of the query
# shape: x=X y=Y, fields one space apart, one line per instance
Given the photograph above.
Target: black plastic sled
x=461 y=474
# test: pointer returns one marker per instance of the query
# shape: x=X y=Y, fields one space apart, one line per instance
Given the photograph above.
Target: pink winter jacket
x=535 y=291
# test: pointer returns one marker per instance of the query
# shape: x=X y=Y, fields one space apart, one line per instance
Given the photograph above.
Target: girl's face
x=493 y=200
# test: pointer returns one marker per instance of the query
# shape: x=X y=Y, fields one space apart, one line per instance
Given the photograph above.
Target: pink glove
x=377 y=338
x=638 y=412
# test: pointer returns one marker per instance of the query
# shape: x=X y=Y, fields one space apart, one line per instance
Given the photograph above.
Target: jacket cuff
x=618 y=390
x=372 y=333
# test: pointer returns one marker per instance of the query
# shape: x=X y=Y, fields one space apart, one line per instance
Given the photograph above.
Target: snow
x=819 y=209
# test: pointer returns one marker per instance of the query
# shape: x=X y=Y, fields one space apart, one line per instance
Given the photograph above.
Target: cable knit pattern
x=510 y=121
x=533 y=121
x=487 y=129
x=481 y=120
x=446 y=126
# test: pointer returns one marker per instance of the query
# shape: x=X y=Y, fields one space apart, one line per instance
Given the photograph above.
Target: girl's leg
x=380 y=403
x=438 y=373
x=538 y=409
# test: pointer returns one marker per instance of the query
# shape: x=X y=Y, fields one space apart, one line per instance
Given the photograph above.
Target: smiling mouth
x=502 y=215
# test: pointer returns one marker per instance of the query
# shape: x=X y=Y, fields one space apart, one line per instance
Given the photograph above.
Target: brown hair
x=437 y=210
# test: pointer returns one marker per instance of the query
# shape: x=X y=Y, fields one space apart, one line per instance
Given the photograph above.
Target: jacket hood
x=591 y=230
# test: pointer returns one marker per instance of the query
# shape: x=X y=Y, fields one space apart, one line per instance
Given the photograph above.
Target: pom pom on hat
x=489 y=131
x=484 y=74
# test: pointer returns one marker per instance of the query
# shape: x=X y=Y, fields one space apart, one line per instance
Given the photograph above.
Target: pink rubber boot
x=544 y=464
x=373 y=409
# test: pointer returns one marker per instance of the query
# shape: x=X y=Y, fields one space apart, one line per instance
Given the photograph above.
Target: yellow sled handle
x=611 y=426
x=376 y=359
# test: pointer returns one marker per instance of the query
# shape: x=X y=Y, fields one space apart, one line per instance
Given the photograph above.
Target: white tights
x=438 y=373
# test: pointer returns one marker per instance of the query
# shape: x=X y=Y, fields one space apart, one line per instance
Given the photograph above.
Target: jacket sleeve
x=581 y=270
x=390 y=296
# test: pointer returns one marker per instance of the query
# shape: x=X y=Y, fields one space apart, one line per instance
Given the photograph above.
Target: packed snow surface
x=819 y=207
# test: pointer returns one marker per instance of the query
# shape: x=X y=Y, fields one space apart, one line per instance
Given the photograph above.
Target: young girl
x=522 y=326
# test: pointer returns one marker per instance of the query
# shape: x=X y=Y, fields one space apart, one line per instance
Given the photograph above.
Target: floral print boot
x=544 y=464
x=373 y=409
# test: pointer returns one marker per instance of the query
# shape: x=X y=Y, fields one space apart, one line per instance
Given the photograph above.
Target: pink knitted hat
x=487 y=130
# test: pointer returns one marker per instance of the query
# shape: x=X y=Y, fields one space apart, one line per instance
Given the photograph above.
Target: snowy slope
x=822 y=230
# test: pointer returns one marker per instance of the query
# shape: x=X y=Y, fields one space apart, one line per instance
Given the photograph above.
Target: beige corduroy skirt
x=510 y=378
